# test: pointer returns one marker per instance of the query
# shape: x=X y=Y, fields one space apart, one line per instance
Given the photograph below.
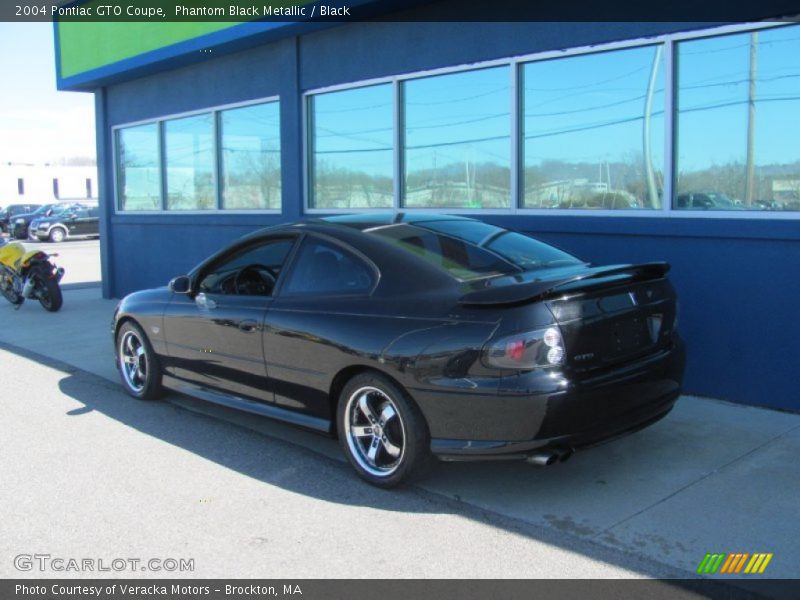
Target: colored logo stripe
x=758 y=563
x=710 y=563
x=734 y=563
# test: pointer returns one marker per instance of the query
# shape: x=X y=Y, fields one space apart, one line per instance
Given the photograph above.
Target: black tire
x=142 y=378
x=50 y=294
x=13 y=298
x=57 y=234
x=370 y=437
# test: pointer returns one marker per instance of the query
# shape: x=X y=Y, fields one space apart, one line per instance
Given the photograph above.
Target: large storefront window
x=352 y=140
x=139 y=168
x=457 y=140
x=737 y=122
x=251 y=157
x=189 y=148
x=593 y=131
x=242 y=143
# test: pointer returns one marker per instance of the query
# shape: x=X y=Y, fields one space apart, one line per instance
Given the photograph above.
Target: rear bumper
x=537 y=410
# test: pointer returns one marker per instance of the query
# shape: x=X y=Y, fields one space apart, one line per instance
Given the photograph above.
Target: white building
x=46 y=183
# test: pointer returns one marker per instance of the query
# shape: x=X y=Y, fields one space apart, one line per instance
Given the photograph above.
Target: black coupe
x=410 y=336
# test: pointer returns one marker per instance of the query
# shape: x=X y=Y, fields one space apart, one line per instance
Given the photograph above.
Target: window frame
x=516 y=63
x=160 y=122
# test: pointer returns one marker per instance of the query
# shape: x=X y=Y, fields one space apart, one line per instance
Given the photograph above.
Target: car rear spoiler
x=534 y=290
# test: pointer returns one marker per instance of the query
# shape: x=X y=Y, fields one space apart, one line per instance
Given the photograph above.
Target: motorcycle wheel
x=50 y=294
x=11 y=296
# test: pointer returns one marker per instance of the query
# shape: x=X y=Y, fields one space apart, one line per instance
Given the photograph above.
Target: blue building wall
x=737 y=278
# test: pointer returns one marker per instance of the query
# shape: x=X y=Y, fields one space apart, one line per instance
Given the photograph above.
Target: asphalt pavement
x=90 y=472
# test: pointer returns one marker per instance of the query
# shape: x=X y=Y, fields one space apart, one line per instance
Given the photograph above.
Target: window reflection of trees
x=458 y=133
x=189 y=147
x=593 y=131
x=251 y=170
x=352 y=138
x=139 y=172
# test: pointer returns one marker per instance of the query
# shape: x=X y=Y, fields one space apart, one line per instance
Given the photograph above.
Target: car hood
x=47 y=220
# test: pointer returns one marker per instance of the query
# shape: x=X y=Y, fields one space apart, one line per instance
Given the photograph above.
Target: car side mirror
x=180 y=285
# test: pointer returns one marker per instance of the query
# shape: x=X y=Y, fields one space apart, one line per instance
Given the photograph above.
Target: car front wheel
x=57 y=235
x=138 y=363
x=381 y=430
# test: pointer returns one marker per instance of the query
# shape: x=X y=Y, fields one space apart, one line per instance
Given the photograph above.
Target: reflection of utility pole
x=751 y=121
x=467 y=161
x=652 y=192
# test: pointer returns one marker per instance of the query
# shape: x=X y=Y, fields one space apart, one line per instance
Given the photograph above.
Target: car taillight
x=528 y=350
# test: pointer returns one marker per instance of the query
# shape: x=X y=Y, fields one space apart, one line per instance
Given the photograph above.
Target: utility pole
x=751 y=121
x=652 y=192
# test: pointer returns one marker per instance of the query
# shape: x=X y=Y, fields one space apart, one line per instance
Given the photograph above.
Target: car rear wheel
x=138 y=364
x=381 y=430
x=57 y=234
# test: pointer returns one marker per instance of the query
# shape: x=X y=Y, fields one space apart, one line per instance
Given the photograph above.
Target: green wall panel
x=87 y=45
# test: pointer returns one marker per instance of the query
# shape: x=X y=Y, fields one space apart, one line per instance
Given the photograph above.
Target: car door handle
x=248 y=326
x=204 y=301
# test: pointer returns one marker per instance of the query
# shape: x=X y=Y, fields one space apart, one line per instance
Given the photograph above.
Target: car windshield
x=41 y=210
x=472 y=249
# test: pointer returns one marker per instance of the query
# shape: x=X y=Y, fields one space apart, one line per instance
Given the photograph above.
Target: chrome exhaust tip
x=549 y=456
x=542 y=458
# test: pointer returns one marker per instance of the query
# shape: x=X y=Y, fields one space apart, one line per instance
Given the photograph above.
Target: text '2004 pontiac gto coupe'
x=411 y=336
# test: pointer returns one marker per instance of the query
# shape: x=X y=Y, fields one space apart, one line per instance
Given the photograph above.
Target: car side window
x=324 y=268
x=251 y=271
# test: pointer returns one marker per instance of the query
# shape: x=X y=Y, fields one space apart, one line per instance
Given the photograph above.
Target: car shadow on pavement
x=298 y=469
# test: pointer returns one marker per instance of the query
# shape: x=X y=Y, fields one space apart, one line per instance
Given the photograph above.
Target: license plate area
x=627 y=335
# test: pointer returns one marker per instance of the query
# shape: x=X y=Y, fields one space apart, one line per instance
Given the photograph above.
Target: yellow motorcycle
x=27 y=275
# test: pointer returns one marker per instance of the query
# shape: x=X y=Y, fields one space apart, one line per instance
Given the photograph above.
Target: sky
x=37 y=123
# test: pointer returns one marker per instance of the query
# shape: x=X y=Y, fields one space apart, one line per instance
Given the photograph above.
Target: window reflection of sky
x=457 y=136
x=250 y=168
x=714 y=107
x=352 y=139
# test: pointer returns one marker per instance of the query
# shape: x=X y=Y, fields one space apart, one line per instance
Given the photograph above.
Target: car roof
x=366 y=221
x=351 y=222
x=387 y=257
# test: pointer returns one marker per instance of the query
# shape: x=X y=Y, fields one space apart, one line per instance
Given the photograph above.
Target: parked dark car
x=707 y=201
x=11 y=211
x=19 y=224
x=77 y=221
x=413 y=335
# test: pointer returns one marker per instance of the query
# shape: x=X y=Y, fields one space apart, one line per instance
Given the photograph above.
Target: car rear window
x=472 y=249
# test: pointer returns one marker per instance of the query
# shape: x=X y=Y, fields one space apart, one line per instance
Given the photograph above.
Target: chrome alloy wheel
x=133 y=361
x=375 y=432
